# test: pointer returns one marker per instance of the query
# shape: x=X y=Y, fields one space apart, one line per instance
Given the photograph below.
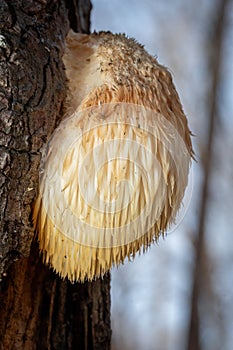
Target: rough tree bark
x=38 y=309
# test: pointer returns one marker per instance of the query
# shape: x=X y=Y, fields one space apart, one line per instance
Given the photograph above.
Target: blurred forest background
x=179 y=295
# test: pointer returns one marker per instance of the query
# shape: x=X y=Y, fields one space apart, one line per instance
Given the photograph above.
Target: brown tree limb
x=215 y=65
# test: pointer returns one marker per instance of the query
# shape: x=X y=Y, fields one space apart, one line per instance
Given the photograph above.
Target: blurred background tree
x=179 y=295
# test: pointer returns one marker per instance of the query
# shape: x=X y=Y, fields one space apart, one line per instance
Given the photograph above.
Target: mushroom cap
x=114 y=173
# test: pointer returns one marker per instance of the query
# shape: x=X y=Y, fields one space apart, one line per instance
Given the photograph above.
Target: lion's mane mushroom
x=114 y=173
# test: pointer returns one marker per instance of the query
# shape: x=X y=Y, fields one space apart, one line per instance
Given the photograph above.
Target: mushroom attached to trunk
x=114 y=173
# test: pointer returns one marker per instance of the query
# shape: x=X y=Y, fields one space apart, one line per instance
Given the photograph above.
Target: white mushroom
x=115 y=170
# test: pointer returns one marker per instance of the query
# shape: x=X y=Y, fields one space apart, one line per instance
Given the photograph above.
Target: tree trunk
x=215 y=66
x=38 y=309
